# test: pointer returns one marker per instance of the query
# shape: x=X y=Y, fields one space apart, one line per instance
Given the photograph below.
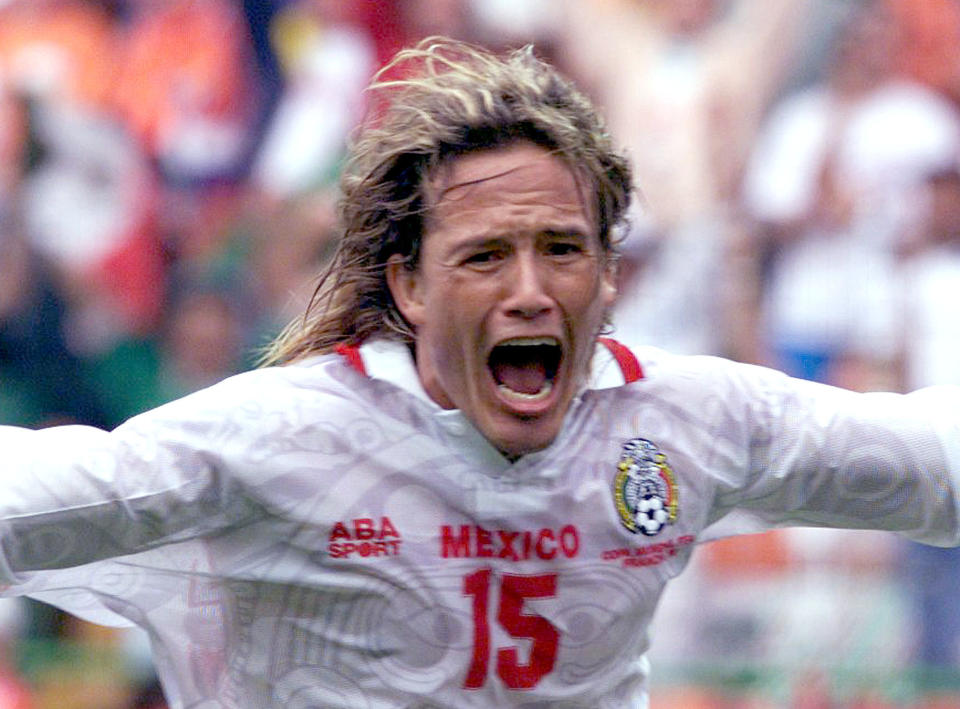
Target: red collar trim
x=628 y=362
x=351 y=353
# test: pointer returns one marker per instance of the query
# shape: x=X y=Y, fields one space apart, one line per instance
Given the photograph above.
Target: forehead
x=522 y=180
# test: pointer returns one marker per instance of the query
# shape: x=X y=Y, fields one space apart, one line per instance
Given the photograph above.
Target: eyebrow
x=483 y=241
x=565 y=232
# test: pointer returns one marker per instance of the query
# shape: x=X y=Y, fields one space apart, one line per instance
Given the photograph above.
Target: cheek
x=591 y=295
x=459 y=325
x=462 y=302
x=447 y=328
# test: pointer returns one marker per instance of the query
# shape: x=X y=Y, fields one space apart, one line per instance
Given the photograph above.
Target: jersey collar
x=613 y=364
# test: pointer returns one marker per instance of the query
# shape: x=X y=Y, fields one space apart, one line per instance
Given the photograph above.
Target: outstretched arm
x=74 y=494
x=806 y=454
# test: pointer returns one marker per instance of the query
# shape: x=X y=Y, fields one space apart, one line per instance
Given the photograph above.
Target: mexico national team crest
x=645 y=489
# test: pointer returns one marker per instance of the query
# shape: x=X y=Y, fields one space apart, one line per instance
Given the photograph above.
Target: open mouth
x=524 y=368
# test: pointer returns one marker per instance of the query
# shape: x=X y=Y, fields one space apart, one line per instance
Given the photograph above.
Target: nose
x=528 y=288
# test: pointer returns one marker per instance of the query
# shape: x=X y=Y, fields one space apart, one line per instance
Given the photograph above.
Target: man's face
x=510 y=292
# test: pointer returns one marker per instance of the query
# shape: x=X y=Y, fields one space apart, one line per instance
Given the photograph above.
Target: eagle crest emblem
x=645 y=488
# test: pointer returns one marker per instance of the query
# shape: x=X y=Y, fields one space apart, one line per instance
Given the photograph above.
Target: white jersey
x=314 y=535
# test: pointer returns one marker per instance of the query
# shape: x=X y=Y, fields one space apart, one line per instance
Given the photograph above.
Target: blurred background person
x=830 y=188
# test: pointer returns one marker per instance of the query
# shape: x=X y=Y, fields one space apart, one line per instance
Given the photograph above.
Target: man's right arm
x=74 y=494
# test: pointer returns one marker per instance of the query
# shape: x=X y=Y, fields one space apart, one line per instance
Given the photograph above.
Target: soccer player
x=450 y=489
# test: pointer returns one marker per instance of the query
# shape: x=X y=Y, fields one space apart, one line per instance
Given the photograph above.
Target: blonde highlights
x=430 y=104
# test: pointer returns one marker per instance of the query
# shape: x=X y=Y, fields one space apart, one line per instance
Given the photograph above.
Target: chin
x=515 y=443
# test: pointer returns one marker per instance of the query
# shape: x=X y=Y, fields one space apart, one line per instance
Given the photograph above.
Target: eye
x=485 y=257
x=564 y=248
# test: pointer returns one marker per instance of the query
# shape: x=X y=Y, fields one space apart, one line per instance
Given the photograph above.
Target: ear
x=405 y=287
x=608 y=282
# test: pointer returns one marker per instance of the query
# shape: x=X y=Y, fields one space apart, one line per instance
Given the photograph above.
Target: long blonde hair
x=431 y=103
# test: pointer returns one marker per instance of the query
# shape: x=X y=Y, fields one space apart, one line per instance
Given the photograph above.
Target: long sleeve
x=74 y=494
x=821 y=456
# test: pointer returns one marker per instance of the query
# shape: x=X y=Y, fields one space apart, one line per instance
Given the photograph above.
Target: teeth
x=520 y=396
x=529 y=341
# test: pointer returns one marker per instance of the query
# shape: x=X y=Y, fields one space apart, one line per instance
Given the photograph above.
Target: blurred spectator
x=83 y=186
x=328 y=51
x=203 y=342
x=43 y=381
x=60 y=50
x=326 y=63
x=88 y=208
x=290 y=245
x=684 y=85
x=881 y=130
x=208 y=292
x=673 y=287
x=931 y=340
x=379 y=19
x=184 y=85
x=829 y=303
x=830 y=184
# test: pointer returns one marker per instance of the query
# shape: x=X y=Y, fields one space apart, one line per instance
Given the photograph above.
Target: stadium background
x=167 y=177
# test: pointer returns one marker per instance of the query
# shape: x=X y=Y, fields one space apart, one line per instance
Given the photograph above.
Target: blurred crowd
x=167 y=187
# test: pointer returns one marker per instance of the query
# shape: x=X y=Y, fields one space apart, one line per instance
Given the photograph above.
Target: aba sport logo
x=644 y=489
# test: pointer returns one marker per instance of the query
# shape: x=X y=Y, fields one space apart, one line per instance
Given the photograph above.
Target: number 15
x=546 y=638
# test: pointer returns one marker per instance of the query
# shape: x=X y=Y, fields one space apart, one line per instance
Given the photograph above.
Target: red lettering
x=375 y=548
x=648 y=555
x=569 y=541
x=649 y=560
x=339 y=531
x=477 y=585
x=542 y=551
x=484 y=543
x=387 y=529
x=475 y=541
x=363 y=528
x=545 y=636
x=506 y=539
x=454 y=546
x=539 y=635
